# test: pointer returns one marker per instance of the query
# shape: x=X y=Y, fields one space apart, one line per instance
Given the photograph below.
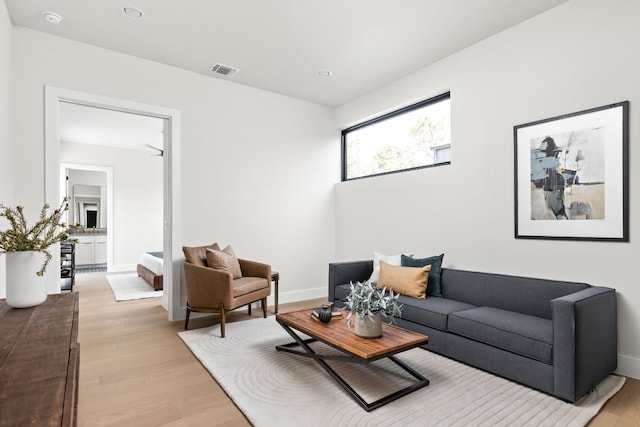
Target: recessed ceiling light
x=133 y=12
x=52 y=17
x=325 y=73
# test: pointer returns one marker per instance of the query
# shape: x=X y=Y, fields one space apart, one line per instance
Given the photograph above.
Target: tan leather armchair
x=212 y=290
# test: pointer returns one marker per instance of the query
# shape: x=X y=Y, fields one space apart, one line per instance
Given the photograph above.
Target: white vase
x=24 y=287
x=368 y=326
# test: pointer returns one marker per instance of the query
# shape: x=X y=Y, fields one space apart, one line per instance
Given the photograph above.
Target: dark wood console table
x=39 y=363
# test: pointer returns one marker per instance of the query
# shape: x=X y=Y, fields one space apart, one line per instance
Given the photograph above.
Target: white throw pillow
x=389 y=259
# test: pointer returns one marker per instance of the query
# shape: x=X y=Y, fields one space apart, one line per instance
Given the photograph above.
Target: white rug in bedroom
x=129 y=286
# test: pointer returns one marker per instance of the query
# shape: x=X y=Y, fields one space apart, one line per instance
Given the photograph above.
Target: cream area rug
x=275 y=388
x=129 y=286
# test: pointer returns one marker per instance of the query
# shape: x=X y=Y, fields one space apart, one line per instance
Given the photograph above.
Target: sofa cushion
x=431 y=312
x=526 y=335
x=524 y=295
x=198 y=254
x=434 y=289
x=389 y=259
x=410 y=281
x=341 y=292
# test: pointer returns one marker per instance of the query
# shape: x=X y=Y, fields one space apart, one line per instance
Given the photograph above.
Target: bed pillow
x=198 y=254
x=224 y=260
x=389 y=259
x=435 y=286
x=409 y=281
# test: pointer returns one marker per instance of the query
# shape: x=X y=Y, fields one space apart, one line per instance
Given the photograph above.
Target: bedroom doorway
x=172 y=294
x=130 y=224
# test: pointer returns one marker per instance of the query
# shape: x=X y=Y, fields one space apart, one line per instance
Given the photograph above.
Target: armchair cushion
x=198 y=254
x=224 y=260
x=235 y=265
x=246 y=285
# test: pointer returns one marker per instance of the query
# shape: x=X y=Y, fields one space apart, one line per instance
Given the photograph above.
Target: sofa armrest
x=585 y=340
x=346 y=272
x=255 y=269
x=207 y=287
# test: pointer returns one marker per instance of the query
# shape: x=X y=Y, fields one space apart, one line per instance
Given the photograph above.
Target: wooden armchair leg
x=222 y=320
x=264 y=307
x=186 y=320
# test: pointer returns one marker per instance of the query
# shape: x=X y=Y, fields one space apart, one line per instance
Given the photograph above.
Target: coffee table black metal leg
x=298 y=342
x=422 y=382
x=321 y=359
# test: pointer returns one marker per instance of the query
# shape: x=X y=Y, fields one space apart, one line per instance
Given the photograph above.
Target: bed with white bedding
x=150 y=268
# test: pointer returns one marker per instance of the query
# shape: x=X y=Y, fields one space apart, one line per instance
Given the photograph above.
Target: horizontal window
x=413 y=137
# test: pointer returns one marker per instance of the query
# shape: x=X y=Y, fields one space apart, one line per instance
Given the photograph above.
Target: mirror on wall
x=86 y=205
x=88 y=198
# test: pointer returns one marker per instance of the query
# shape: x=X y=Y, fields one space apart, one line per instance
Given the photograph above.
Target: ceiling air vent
x=224 y=70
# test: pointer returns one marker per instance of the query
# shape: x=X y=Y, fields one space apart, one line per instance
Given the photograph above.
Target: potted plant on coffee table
x=27 y=249
x=368 y=305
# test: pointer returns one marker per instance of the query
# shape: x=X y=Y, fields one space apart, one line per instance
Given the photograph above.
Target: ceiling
x=281 y=45
x=98 y=126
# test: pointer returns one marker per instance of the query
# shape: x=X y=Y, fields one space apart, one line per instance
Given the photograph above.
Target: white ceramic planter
x=368 y=326
x=24 y=287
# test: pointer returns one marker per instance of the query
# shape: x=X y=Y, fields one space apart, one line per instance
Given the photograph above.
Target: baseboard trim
x=628 y=366
x=296 y=296
x=122 y=268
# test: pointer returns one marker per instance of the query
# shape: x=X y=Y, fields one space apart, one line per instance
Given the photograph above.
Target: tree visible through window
x=413 y=137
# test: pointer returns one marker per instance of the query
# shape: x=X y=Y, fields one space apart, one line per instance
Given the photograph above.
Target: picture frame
x=571 y=176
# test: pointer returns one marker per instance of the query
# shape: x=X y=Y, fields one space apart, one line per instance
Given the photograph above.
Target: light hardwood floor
x=135 y=370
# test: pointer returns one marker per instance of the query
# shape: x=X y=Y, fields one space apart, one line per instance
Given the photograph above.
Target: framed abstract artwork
x=572 y=177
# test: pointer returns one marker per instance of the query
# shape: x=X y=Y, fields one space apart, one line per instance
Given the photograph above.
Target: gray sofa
x=557 y=337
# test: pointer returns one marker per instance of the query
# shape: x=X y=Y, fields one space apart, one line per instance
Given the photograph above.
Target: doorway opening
x=172 y=298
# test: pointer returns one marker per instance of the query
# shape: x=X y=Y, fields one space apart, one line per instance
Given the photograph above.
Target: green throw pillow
x=434 y=288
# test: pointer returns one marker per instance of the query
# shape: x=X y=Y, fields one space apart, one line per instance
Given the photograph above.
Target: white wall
x=85 y=177
x=258 y=169
x=6 y=160
x=137 y=198
x=6 y=168
x=576 y=56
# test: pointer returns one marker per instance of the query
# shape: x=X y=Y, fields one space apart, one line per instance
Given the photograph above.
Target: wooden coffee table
x=353 y=349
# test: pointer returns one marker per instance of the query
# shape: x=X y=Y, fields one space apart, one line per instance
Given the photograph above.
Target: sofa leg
x=222 y=320
x=186 y=320
x=249 y=310
x=264 y=307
